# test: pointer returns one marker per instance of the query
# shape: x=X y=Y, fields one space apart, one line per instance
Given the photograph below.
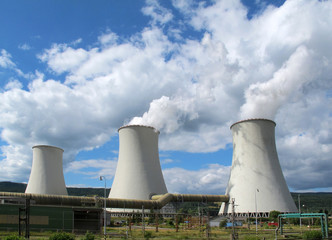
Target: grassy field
x=290 y=232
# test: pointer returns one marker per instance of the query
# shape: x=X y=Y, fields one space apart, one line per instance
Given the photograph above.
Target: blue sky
x=73 y=72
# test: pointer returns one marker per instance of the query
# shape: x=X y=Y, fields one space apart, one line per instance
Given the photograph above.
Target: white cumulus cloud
x=210 y=180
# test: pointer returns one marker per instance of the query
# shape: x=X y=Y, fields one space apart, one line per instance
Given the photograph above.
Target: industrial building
x=18 y=212
x=256 y=184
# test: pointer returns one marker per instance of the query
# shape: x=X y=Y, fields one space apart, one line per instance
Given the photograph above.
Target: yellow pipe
x=157 y=202
x=194 y=198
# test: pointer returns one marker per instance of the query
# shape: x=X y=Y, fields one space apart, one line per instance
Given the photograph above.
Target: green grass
x=290 y=231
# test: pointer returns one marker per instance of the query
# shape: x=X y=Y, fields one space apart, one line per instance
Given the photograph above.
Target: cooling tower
x=46 y=175
x=138 y=173
x=256 y=181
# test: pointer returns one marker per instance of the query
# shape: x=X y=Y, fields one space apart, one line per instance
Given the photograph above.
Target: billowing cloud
x=62 y=58
x=265 y=98
x=275 y=65
x=93 y=168
x=13 y=84
x=164 y=114
x=210 y=180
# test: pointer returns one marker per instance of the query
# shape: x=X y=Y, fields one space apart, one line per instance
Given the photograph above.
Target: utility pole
x=199 y=218
x=101 y=178
x=143 y=222
x=25 y=218
x=256 y=190
x=157 y=220
x=234 y=235
x=208 y=225
x=299 y=200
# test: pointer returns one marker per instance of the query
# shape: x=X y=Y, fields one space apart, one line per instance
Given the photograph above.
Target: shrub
x=273 y=216
x=62 y=236
x=312 y=235
x=14 y=237
x=147 y=235
x=223 y=223
x=112 y=223
x=250 y=238
x=170 y=222
x=88 y=236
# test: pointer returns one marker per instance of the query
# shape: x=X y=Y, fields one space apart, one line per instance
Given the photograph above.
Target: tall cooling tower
x=46 y=175
x=256 y=180
x=138 y=173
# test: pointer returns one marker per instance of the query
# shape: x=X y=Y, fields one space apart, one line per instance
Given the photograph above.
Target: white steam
x=167 y=115
x=264 y=99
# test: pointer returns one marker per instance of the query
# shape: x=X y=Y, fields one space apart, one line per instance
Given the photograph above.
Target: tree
x=274 y=215
x=152 y=216
x=223 y=223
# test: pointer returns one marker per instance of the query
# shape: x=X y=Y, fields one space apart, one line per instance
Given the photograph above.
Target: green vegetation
x=147 y=235
x=62 y=236
x=314 y=202
x=12 y=187
x=20 y=188
x=87 y=192
x=14 y=237
x=223 y=223
x=250 y=238
x=184 y=232
x=274 y=216
x=88 y=236
x=315 y=235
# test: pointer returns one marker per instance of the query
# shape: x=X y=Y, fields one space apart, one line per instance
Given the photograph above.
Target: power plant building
x=256 y=182
x=46 y=175
x=138 y=173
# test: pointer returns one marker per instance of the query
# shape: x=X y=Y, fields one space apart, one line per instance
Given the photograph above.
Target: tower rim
x=48 y=146
x=138 y=125
x=253 y=119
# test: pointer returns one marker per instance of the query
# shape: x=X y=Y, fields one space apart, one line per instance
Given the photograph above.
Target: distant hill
x=87 y=191
x=12 y=187
x=310 y=202
x=20 y=188
x=314 y=201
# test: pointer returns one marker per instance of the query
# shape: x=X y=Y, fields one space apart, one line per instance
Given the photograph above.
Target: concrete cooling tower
x=138 y=173
x=46 y=175
x=256 y=181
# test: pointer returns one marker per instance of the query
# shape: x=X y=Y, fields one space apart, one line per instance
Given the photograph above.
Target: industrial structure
x=138 y=173
x=157 y=202
x=256 y=185
x=78 y=214
x=46 y=175
x=256 y=182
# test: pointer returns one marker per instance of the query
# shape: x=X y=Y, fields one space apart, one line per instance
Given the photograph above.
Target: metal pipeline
x=193 y=198
x=157 y=202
